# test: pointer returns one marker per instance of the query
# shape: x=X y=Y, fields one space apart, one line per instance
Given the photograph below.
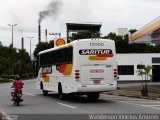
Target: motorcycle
x=16 y=96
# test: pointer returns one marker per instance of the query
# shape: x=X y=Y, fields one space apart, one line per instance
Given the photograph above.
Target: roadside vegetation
x=21 y=63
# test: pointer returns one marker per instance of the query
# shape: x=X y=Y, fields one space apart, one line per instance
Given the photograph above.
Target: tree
x=132 y=31
x=145 y=73
x=20 y=58
x=43 y=46
x=21 y=64
x=111 y=36
x=84 y=35
x=141 y=73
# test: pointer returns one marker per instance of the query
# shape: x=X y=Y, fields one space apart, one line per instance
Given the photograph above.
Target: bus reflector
x=77 y=74
x=115 y=73
x=76 y=70
x=77 y=77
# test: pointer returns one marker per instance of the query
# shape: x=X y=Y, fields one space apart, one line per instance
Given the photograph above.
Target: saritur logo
x=95 y=51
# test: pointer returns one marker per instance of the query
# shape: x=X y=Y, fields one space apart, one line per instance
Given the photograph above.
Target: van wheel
x=61 y=95
x=45 y=92
x=93 y=96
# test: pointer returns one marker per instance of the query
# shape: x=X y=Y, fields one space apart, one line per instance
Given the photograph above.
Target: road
x=35 y=103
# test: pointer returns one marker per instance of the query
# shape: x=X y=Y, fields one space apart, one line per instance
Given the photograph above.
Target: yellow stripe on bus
x=46 y=79
x=96 y=58
x=68 y=69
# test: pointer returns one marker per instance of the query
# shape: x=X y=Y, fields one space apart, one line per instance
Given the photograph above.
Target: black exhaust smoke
x=52 y=10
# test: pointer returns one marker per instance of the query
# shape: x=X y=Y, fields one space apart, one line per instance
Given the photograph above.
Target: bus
x=85 y=66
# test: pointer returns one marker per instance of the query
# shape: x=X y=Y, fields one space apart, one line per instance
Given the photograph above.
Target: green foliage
x=147 y=70
x=84 y=35
x=20 y=61
x=8 y=76
x=43 y=46
x=132 y=31
x=3 y=80
x=25 y=75
x=145 y=73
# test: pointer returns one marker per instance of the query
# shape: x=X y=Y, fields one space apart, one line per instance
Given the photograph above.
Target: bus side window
x=70 y=54
x=56 y=56
x=52 y=58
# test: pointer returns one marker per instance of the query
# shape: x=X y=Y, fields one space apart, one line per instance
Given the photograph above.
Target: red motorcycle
x=16 y=96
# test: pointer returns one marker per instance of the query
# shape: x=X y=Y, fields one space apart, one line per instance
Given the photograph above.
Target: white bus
x=86 y=66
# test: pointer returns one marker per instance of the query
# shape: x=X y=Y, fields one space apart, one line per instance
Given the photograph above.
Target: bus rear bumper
x=97 y=88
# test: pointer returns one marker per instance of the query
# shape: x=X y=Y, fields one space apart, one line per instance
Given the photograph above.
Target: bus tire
x=41 y=86
x=45 y=92
x=93 y=96
x=61 y=95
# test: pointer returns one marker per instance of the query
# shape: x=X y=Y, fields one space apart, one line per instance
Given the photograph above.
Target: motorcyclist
x=17 y=86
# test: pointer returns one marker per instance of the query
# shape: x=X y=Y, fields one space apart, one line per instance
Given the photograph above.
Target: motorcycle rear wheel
x=17 y=103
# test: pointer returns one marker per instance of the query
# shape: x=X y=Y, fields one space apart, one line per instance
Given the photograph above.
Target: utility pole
x=30 y=51
x=12 y=48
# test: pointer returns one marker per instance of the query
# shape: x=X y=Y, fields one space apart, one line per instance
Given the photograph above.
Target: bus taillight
x=77 y=75
x=115 y=73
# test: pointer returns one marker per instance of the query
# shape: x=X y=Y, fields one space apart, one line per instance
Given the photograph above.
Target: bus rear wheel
x=61 y=95
x=93 y=96
x=45 y=92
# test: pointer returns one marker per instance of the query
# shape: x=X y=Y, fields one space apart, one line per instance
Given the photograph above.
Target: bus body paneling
x=81 y=66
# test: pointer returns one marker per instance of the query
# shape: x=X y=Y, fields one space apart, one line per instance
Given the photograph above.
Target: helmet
x=17 y=77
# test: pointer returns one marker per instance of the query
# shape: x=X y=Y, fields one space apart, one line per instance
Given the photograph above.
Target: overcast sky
x=112 y=14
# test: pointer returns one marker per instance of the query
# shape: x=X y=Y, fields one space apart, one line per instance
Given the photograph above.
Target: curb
x=133 y=96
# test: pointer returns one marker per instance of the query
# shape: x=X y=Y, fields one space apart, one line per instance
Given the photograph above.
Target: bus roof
x=74 y=42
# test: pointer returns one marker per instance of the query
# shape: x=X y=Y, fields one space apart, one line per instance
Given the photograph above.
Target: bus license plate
x=96 y=71
x=96 y=81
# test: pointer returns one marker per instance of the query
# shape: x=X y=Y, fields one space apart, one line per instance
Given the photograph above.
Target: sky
x=112 y=14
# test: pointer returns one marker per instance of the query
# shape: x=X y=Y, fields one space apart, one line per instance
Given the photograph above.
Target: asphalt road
x=35 y=103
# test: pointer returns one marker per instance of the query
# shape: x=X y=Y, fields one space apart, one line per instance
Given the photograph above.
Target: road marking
x=111 y=97
x=30 y=94
x=138 y=104
x=143 y=101
x=153 y=105
x=66 y=105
